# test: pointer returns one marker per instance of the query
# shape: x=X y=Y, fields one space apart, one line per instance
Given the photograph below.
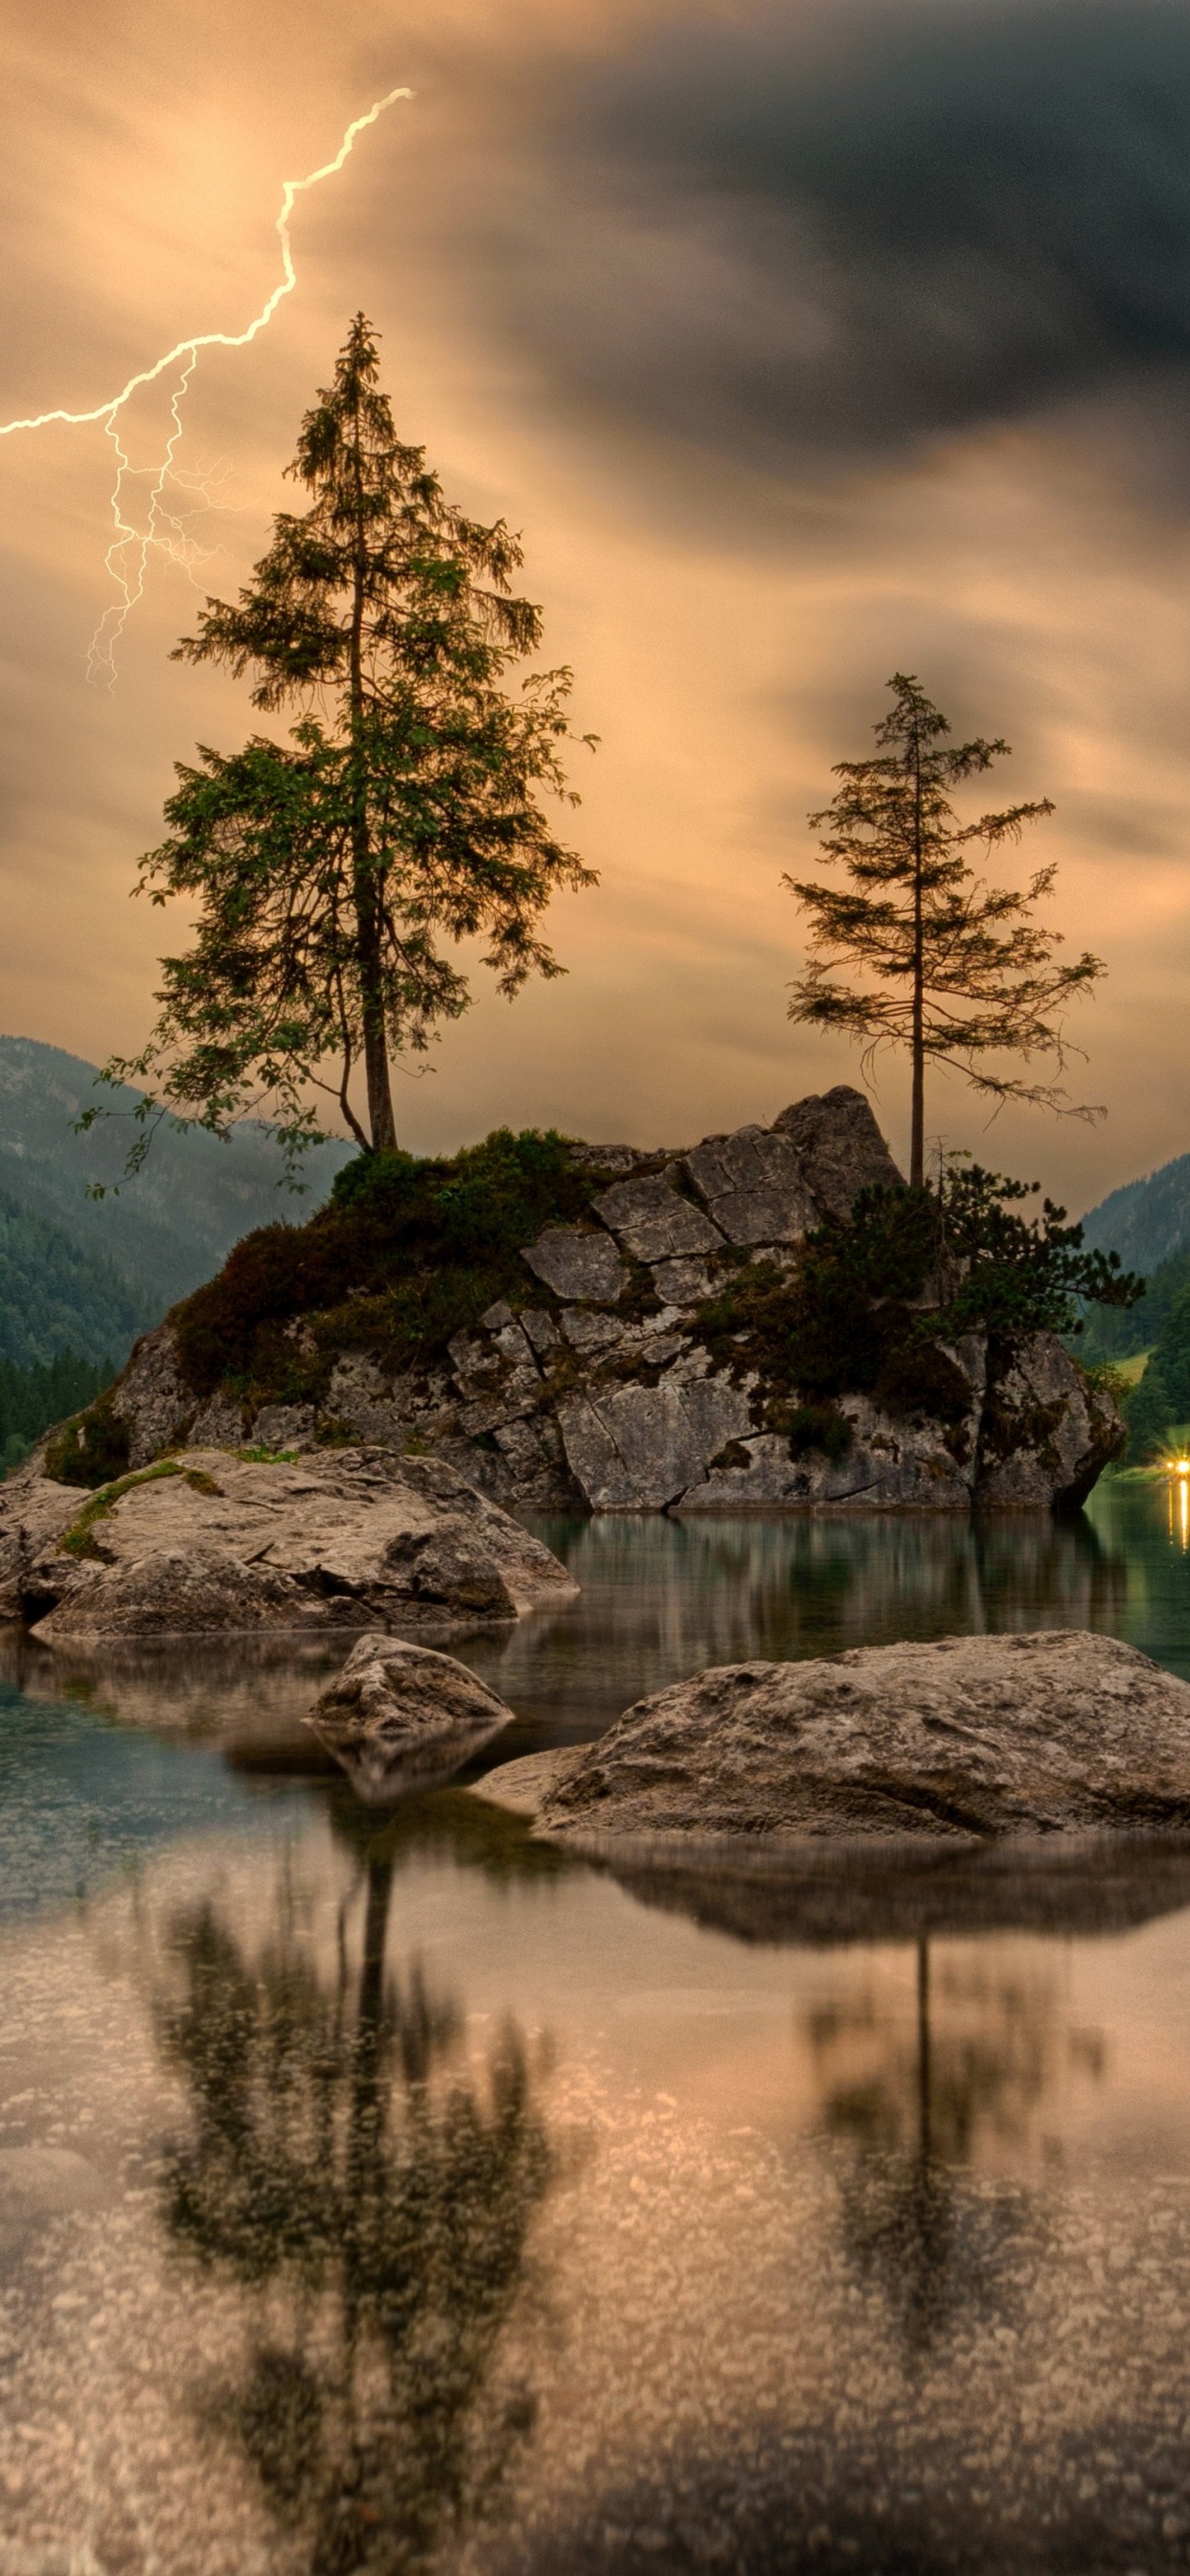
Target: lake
x=382 y=2190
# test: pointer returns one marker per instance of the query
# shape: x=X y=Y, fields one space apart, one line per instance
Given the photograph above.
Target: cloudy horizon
x=803 y=344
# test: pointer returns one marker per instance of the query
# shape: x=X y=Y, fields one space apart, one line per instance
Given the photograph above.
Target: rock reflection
x=824 y=1896
x=373 y=2203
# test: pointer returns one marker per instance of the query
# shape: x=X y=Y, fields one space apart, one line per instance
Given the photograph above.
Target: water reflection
x=824 y=1896
x=373 y=2200
x=988 y=2049
x=662 y=1598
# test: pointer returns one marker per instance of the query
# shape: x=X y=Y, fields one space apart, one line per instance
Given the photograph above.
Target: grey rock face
x=586 y=1332
x=970 y=1738
x=152 y=1397
x=399 y=1715
x=754 y=1186
x=343 y=1539
x=220 y=1425
x=631 y=1449
x=283 y=1426
x=839 y=1147
x=1045 y=1434
x=907 y=1461
x=654 y=1221
x=541 y=1329
x=362 y=1398
x=637 y=1448
x=574 y=1264
x=682 y=1283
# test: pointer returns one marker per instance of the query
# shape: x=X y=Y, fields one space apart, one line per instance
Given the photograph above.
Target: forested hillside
x=56 y=1295
x=87 y=1275
x=1147 y=1221
x=33 y=1398
x=1148 y=1224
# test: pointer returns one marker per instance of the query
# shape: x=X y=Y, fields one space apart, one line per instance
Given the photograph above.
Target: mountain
x=1147 y=1221
x=89 y=1274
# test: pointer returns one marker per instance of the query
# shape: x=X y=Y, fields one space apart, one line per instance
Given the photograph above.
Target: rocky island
x=337 y=1430
x=603 y=1328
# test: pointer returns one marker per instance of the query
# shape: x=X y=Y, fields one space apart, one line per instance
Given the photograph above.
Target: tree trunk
x=917 y=1135
x=917 y=1141
x=369 y=927
x=382 y=1126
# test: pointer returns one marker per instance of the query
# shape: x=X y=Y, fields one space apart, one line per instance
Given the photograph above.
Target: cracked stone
x=587 y=1332
x=754 y=1185
x=655 y=1222
x=637 y=1448
x=682 y=1283
x=574 y=1264
x=541 y=1329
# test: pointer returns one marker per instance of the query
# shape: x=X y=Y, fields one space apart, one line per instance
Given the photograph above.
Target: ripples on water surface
x=382 y=2191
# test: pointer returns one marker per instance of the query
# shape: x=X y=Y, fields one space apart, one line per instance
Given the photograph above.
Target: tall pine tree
x=402 y=812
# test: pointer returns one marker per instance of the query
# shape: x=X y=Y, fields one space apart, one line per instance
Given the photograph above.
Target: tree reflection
x=915 y=2112
x=375 y=2208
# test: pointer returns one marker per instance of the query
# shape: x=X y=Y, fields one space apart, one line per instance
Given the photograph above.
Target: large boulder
x=400 y=1715
x=971 y=1738
x=211 y=1542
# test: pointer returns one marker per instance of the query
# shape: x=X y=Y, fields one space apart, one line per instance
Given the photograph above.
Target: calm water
x=381 y=2191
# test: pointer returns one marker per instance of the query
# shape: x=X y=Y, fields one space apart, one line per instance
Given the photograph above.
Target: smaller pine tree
x=952 y=969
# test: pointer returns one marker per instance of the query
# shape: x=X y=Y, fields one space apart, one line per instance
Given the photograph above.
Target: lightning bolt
x=127 y=557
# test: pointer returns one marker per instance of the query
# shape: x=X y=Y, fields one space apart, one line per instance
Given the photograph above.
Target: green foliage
x=1149 y=1411
x=91 y=1449
x=406 y=1254
x=1012 y=1275
x=1172 y=1356
x=819 y=1426
x=1162 y=1397
x=1110 y=1334
x=79 y=1539
x=952 y=969
x=32 y=1399
x=875 y=1295
x=402 y=813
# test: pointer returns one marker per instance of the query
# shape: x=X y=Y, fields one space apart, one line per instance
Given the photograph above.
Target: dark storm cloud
x=840 y=232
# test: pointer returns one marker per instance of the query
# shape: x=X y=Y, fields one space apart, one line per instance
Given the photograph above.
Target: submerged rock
x=212 y=1543
x=968 y=1739
x=400 y=1715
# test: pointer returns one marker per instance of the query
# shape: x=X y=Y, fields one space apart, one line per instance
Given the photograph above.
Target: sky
x=803 y=343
